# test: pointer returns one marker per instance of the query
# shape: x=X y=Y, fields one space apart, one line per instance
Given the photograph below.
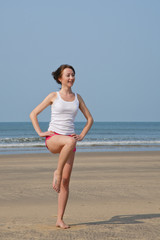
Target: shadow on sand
x=123 y=219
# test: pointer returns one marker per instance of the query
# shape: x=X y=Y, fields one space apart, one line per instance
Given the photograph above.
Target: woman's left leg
x=64 y=193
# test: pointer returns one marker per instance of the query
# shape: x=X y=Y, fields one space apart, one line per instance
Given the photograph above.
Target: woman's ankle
x=58 y=172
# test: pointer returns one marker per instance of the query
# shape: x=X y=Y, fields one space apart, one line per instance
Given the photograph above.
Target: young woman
x=61 y=137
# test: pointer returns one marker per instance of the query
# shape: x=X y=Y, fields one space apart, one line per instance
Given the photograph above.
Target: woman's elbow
x=32 y=115
x=91 y=120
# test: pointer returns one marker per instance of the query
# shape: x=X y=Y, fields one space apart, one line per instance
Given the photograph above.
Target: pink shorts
x=48 y=137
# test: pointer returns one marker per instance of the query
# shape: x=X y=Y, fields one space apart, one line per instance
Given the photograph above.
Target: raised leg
x=63 y=145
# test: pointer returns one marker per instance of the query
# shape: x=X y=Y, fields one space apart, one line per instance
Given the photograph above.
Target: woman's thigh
x=57 y=142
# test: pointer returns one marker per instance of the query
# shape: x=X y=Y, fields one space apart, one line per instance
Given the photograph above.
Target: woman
x=60 y=137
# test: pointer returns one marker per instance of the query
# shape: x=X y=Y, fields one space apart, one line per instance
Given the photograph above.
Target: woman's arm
x=87 y=115
x=33 y=115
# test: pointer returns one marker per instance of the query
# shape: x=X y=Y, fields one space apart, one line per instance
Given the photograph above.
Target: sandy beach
x=113 y=196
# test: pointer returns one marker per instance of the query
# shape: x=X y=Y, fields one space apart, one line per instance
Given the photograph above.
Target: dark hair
x=58 y=73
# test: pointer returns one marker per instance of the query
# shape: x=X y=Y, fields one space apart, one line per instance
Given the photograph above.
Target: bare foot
x=61 y=224
x=56 y=181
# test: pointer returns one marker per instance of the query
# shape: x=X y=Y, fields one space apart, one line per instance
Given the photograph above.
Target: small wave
x=22 y=145
x=34 y=143
x=21 y=140
x=117 y=143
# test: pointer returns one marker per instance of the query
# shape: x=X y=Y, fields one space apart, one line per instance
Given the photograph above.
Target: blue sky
x=113 y=46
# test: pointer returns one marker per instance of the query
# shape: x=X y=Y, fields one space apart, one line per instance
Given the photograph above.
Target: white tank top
x=63 y=114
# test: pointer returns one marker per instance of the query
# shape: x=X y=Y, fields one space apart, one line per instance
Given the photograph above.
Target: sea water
x=20 y=137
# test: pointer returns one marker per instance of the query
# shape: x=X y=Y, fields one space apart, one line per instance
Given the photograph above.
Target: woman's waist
x=62 y=130
x=55 y=133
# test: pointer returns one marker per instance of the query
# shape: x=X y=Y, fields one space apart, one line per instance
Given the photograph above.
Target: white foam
x=82 y=144
x=116 y=143
x=21 y=145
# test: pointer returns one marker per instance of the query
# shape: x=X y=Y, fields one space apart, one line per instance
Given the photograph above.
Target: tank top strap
x=76 y=97
x=58 y=95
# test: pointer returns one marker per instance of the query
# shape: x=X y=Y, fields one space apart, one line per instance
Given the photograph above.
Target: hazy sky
x=114 y=46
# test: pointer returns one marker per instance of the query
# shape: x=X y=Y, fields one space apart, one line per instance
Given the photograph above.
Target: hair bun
x=58 y=73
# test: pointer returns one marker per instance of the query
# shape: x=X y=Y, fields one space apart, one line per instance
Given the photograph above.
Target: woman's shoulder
x=79 y=97
x=52 y=96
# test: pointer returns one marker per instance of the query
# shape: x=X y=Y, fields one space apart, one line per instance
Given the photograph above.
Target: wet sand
x=113 y=196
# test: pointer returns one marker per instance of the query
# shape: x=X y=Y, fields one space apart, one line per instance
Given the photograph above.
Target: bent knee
x=71 y=142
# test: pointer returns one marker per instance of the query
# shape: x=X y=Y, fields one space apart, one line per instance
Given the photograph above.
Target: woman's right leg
x=63 y=145
x=64 y=193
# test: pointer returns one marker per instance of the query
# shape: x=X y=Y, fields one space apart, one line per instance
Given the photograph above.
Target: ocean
x=20 y=137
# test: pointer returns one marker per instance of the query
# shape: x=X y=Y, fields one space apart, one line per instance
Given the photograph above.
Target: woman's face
x=68 y=77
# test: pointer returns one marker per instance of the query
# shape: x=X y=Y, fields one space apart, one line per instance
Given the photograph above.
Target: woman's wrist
x=40 y=134
x=82 y=135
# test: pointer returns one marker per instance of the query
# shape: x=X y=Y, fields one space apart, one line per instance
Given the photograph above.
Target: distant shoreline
x=20 y=137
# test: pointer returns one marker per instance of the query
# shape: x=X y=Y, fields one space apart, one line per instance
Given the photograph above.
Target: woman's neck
x=66 y=90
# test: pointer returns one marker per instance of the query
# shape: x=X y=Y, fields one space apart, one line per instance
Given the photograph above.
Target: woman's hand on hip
x=77 y=137
x=45 y=134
